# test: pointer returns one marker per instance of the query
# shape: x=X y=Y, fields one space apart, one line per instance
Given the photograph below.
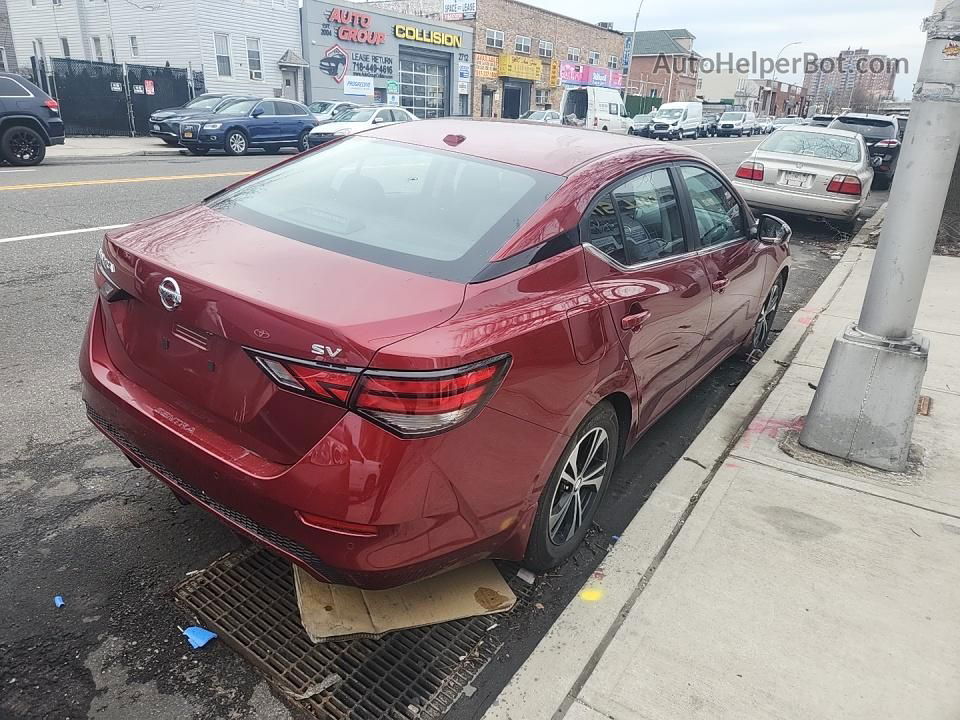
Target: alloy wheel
x=25 y=146
x=238 y=143
x=761 y=331
x=579 y=485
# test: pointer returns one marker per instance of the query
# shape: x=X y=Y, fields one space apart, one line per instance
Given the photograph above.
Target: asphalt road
x=76 y=520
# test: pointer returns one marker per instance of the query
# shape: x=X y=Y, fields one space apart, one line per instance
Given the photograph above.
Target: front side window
x=237 y=107
x=394 y=204
x=384 y=116
x=253 y=58
x=719 y=216
x=573 y=54
x=495 y=38
x=650 y=216
x=268 y=107
x=221 y=42
x=546 y=49
x=522 y=44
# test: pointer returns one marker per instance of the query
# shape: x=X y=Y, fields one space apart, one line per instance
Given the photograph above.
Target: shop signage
x=356 y=85
x=434 y=37
x=522 y=68
x=463 y=72
x=149 y=87
x=486 y=67
x=335 y=63
x=393 y=99
x=375 y=66
x=576 y=74
x=393 y=87
x=355 y=27
x=554 y=73
x=463 y=88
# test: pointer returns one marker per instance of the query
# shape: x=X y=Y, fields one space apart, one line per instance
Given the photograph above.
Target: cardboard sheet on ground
x=339 y=612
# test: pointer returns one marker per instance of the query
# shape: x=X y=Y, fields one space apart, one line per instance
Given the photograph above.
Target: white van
x=595 y=108
x=678 y=120
x=738 y=123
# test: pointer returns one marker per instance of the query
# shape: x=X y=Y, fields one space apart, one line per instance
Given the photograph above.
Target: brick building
x=664 y=65
x=856 y=79
x=781 y=99
x=523 y=54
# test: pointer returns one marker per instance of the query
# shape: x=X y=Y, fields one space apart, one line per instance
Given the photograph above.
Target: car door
x=732 y=256
x=653 y=283
x=264 y=128
x=289 y=126
x=383 y=117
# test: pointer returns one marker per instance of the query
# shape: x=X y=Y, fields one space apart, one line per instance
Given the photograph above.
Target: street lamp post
x=633 y=40
x=775 y=70
x=866 y=401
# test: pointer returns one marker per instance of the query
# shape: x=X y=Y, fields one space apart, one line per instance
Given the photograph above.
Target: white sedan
x=353 y=121
x=813 y=171
x=550 y=117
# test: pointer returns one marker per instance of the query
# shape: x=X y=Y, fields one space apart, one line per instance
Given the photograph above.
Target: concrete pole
x=866 y=401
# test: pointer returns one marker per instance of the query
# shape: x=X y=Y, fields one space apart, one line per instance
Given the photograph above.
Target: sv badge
x=325 y=350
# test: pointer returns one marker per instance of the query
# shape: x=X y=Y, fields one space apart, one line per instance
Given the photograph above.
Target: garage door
x=424 y=87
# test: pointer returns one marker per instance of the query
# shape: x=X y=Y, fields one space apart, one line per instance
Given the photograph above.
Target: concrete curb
x=159 y=152
x=552 y=677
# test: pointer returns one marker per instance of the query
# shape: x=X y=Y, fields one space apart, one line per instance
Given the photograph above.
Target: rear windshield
x=813 y=144
x=534 y=115
x=868 y=127
x=430 y=212
x=356 y=115
x=732 y=116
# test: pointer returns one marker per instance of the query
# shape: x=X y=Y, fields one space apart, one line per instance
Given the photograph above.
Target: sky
x=824 y=27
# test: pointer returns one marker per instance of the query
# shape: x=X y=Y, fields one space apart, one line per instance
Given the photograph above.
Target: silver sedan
x=813 y=171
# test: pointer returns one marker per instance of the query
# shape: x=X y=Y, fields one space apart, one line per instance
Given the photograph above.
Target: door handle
x=720 y=284
x=636 y=320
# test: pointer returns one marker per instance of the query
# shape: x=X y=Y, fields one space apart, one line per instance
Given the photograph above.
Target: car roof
x=547 y=148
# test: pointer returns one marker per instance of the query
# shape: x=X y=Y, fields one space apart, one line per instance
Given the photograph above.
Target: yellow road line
x=121 y=181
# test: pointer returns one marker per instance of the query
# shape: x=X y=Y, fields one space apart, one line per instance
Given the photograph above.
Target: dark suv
x=882 y=135
x=29 y=121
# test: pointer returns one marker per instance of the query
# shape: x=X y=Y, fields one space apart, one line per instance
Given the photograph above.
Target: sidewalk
x=89 y=148
x=761 y=580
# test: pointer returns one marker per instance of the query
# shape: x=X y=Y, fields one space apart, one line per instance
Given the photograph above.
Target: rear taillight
x=888 y=144
x=409 y=404
x=845 y=185
x=52 y=104
x=750 y=171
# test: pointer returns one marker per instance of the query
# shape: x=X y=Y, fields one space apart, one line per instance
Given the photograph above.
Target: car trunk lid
x=241 y=289
x=801 y=172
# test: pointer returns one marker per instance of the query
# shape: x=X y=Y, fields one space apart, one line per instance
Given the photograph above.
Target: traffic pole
x=866 y=401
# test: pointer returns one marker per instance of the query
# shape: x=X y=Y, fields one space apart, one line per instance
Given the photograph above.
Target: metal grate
x=249 y=599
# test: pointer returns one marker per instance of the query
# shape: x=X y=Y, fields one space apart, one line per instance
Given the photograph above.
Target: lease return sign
x=434 y=37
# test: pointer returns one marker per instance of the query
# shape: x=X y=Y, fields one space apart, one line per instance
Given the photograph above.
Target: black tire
x=759 y=339
x=170 y=141
x=23 y=146
x=198 y=150
x=236 y=143
x=303 y=142
x=552 y=543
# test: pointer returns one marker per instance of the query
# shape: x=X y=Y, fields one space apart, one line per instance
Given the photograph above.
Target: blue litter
x=615 y=537
x=198 y=636
x=58 y=601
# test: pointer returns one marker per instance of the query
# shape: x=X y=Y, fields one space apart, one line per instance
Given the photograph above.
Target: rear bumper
x=432 y=510
x=760 y=196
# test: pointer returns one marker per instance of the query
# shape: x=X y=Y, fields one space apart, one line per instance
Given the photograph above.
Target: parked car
x=822 y=120
x=165 y=124
x=352 y=360
x=595 y=108
x=324 y=110
x=356 y=120
x=813 y=171
x=882 y=135
x=785 y=122
x=765 y=125
x=737 y=123
x=640 y=125
x=244 y=123
x=30 y=121
x=902 y=121
x=710 y=123
x=550 y=117
x=677 y=120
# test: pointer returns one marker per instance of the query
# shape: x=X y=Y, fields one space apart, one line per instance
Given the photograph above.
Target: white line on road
x=63 y=232
x=13 y=170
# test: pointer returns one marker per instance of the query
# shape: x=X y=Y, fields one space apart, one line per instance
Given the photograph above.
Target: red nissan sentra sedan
x=425 y=344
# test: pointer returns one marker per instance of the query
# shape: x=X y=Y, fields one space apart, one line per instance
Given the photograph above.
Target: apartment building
x=855 y=79
x=242 y=46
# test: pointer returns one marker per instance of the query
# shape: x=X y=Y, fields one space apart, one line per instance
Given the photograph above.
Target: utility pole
x=866 y=401
x=633 y=40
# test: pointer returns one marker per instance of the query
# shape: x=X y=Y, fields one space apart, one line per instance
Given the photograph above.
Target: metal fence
x=99 y=98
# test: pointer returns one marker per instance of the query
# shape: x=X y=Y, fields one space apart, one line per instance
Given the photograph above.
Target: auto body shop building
x=369 y=57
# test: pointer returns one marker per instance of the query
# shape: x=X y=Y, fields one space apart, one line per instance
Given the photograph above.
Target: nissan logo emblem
x=170 y=293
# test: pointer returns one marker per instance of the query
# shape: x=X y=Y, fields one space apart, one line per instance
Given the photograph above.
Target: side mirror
x=773 y=231
x=377 y=120
x=257 y=112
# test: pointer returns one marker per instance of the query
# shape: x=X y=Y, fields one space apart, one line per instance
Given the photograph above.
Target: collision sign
x=434 y=37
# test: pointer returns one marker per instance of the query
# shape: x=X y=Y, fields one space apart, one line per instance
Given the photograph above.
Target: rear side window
x=11 y=88
x=426 y=211
x=813 y=144
x=719 y=216
x=650 y=216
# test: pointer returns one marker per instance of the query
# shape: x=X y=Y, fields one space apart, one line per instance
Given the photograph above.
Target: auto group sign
x=355 y=27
